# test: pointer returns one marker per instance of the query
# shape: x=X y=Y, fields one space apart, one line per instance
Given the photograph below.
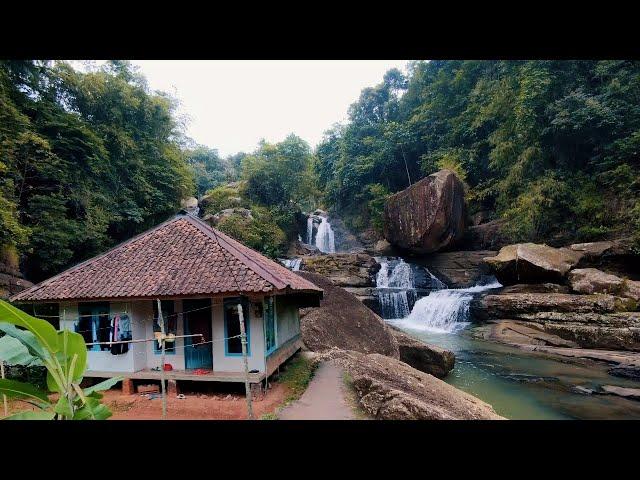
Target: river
x=518 y=384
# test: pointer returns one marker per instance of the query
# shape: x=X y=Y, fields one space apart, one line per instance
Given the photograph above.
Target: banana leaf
x=43 y=330
x=31 y=416
x=15 y=389
x=105 y=385
x=13 y=352
x=28 y=339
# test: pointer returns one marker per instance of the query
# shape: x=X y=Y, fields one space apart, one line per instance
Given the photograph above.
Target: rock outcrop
x=427 y=216
x=528 y=305
x=11 y=281
x=619 y=257
x=430 y=359
x=460 y=269
x=389 y=389
x=344 y=269
x=485 y=236
x=342 y=321
x=532 y=263
x=215 y=219
x=592 y=280
x=587 y=321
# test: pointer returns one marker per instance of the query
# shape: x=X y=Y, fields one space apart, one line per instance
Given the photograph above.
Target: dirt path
x=324 y=399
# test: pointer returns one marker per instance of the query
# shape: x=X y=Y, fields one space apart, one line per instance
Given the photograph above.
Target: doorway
x=197 y=320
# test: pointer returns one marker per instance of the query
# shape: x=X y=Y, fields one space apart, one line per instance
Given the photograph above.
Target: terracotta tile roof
x=181 y=257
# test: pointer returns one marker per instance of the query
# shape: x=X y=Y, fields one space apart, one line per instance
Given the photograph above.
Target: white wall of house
x=287 y=320
x=142 y=356
x=234 y=363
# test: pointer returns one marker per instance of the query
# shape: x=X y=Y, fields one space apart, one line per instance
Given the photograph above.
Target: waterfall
x=324 y=237
x=310 y=230
x=396 y=290
x=291 y=263
x=444 y=310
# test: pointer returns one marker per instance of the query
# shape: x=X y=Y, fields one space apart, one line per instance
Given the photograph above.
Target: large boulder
x=532 y=263
x=344 y=269
x=592 y=280
x=389 y=389
x=342 y=321
x=427 y=216
x=427 y=358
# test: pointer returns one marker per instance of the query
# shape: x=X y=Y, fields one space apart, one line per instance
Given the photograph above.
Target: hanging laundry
x=121 y=332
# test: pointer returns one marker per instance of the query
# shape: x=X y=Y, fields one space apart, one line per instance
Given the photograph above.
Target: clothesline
x=174 y=314
x=172 y=337
x=143 y=340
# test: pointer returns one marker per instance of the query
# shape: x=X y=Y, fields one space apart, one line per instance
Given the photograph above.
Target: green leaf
x=15 y=389
x=92 y=410
x=63 y=408
x=28 y=339
x=13 y=352
x=31 y=416
x=43 y=330
x=70 y=344
x=105 y=385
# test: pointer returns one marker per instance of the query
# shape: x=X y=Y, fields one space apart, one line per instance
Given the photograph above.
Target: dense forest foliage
x=276 y=183
x=87 y=159
x=551 y=147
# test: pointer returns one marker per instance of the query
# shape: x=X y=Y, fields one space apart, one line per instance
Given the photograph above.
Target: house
x=201 y=276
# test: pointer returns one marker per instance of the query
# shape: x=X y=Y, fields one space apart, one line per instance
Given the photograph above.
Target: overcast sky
x=231 y=105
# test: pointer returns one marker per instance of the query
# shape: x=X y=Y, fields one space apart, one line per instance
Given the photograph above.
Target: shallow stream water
x=524 y=385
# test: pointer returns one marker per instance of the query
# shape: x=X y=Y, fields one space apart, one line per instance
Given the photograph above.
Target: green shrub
x=260 y=232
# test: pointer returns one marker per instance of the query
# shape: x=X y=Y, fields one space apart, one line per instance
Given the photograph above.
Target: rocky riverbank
x=583 y=307
x=395 y=376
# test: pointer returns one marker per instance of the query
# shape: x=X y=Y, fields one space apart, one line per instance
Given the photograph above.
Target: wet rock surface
x=421 y=356
x=428 y=216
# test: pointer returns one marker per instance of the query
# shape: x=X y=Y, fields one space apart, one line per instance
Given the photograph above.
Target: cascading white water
x=443 y=310
x=291 y=263
x=310 y=230
x=324 y=237
x=395 y=291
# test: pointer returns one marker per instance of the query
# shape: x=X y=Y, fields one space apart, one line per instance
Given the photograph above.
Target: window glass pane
x=232 y=319
x=269 y=320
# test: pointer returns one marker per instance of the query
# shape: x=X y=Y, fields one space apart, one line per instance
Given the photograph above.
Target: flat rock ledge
x=389 y=389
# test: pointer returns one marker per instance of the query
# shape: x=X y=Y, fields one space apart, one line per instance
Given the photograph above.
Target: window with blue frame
x=233 y=342
x=269 y=324
x=94 y=324
x=170 y=318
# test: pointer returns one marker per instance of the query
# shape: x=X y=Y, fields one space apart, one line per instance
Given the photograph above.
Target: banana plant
x=64 y=354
